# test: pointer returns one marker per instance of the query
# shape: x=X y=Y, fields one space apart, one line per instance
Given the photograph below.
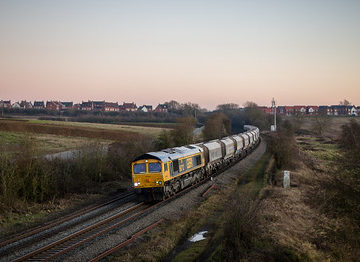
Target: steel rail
x=125 y=243
x=61 y=220
x=72 y=236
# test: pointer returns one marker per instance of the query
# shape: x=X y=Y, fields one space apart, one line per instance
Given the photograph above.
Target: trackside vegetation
x=26 y=179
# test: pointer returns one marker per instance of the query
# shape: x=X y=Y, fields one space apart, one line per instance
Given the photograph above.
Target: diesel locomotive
x=159 y=175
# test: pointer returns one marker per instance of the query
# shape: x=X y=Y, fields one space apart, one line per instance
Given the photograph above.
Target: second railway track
x=28 y=237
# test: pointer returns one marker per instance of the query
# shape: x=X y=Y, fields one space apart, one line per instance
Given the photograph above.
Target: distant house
x=290 y=110
x=358 y=110
x=67 y=105
x=339 y=110
x=266 y=110
x=352 y=111
x=53 y=105
x=111 y=107
x=161 y=108
x=121 y=108
x=281 y=110
x=39 y=105
x=325 y=110
x=5 y=104
x=145 y=108
x=87 y=106
x=26 y=105
x=312 y=110
x=129 y=106
x=77 y=106
x=299 y=109
x=16 y=105
x=98 y=105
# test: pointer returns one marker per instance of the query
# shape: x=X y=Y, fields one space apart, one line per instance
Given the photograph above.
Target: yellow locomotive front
x=158 y=175
x=149 y=174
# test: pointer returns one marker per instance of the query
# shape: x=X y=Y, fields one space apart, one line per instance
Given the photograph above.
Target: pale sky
x=205 y=52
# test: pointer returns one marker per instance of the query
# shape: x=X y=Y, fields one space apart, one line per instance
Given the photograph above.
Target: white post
x=286 y=181
x=273 y=104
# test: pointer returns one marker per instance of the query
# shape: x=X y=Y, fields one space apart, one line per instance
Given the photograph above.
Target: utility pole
x=273 y=105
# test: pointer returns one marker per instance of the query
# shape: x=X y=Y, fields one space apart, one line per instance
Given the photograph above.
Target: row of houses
x=84 y=106
x=333 y=110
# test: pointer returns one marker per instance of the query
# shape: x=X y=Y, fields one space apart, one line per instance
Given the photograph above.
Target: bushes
x=344 y=188
x=282 y=145
x=241 y=229
x=27 y=179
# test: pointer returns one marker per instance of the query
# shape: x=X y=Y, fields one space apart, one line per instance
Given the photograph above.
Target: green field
x=42 y=140
x=13 y=142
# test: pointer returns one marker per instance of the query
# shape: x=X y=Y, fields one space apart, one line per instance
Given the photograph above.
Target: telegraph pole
x=273 y=105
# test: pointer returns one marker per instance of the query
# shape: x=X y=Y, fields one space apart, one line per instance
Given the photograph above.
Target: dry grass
x=68 y=130
x=12 y=142
x=301 y=218
x=334 y=128
x=287 y=220
x=26 y=215
x=141 y=128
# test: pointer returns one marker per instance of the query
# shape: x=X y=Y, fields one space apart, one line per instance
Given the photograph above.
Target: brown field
x=76 y=130
x=139 y=127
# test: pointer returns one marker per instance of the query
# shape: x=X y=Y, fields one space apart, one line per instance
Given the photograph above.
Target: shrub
x=282 y=145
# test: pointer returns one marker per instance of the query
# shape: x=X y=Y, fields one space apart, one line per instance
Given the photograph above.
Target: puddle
x=198 y=236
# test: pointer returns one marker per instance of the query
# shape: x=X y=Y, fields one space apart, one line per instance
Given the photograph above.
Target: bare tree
x=183 y=133
x=227 y=107
x=217 y=125
x=255 y=116
x=321 y=123
x=345 y=102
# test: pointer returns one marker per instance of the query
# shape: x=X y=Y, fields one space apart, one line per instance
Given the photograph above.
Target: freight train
x=159 y=175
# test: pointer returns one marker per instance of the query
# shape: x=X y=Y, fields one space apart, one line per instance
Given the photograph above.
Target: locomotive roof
x=171 y=153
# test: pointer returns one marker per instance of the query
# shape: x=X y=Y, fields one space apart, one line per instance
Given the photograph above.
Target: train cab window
x=176 y=165
x=165 y=167
x=139 y=168
x=198 y=160
x=154 y=167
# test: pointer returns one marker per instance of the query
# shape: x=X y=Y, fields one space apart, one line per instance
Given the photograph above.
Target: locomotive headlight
x=159 y=182
x=137 y=184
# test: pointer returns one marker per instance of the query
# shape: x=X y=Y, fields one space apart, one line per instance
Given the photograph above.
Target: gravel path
x=168 y=211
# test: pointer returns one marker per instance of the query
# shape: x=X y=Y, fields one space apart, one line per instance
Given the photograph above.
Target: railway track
x=65 y=245
x=25 y=238
x=68 y=243
x=81 y=237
